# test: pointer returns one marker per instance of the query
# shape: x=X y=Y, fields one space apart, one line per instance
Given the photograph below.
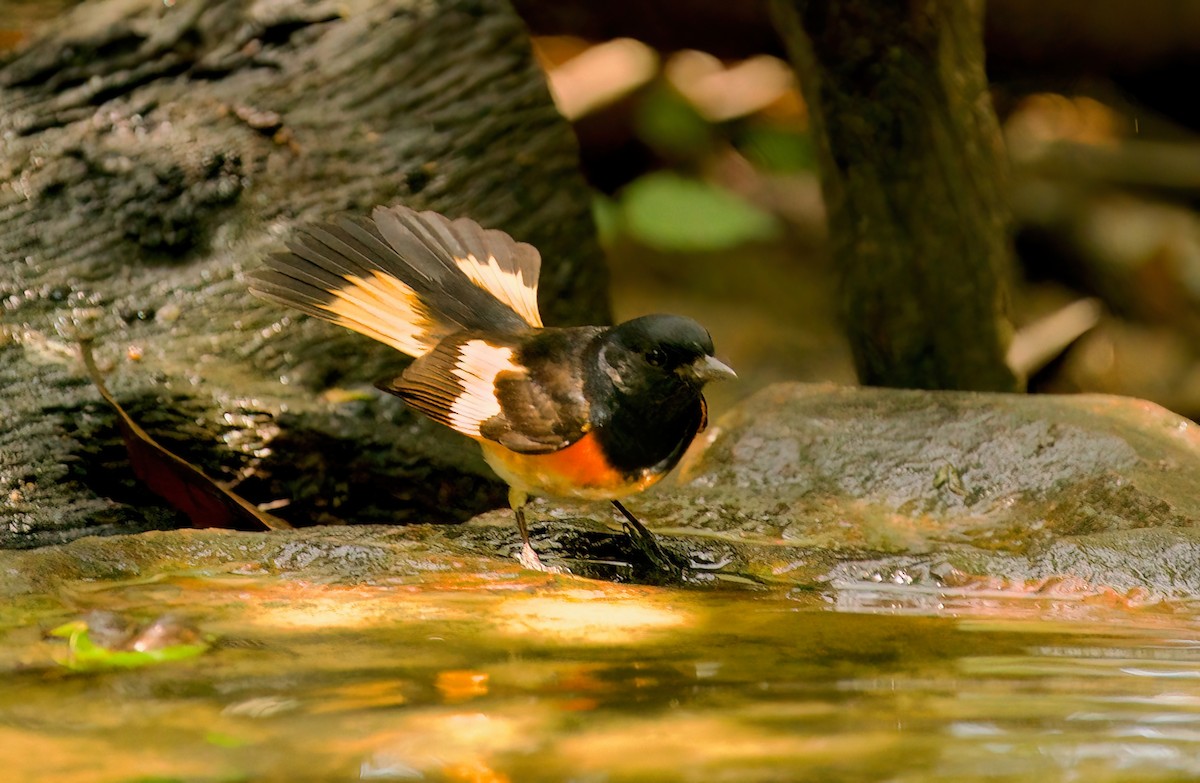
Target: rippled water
x=500 y=678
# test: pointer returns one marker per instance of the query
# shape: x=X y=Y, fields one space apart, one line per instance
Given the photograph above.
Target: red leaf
x=175 y=480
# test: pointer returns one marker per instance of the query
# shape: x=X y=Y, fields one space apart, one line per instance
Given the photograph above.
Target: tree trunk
x=912 y=170
x=151 y=152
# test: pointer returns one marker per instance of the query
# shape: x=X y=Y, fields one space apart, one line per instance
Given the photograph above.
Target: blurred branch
x=1165 y=166
x=1042 y=341
x=1140 y=256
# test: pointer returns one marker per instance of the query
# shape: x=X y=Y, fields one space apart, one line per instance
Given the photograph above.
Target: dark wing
x=489 y=389
x=346 y=274
x=491 y=260
x=406 y=278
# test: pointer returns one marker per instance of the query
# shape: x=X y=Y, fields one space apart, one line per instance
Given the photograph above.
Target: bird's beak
x=709 y=368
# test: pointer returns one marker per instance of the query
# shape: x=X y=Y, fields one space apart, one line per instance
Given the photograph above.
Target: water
x=515 y=677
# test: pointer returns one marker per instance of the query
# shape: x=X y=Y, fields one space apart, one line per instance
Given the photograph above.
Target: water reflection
x=560 y=679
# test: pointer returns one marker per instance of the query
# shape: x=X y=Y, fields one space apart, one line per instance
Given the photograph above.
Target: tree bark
x=912 y=170
x=150 y=153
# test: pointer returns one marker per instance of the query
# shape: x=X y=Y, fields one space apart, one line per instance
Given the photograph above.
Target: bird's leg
x=645 y=540
x=517 y=500
x=528 y=558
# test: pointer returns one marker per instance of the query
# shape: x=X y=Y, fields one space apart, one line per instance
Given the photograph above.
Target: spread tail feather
x=407 y=278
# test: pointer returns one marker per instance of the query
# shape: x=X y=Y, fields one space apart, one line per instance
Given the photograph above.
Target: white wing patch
x=509 y=287
x=387 y=310
x=476 y=367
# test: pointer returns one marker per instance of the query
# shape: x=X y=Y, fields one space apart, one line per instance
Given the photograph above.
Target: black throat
x=644 y=427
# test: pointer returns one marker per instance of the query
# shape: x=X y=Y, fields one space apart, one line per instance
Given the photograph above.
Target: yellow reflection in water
x=459 y=745
x=588 y=617
x=696 y=747
x=323 y=607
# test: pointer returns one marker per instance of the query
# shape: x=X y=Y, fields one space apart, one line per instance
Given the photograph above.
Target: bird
x=581 y=412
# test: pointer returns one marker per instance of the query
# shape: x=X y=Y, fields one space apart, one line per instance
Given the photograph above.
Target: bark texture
x=912 y=170
x=151 y=152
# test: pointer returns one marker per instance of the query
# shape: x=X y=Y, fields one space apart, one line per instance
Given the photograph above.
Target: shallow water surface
x=513 y=677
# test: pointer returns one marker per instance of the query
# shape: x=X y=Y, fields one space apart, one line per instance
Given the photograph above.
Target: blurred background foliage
x=696 y=140
x=709 y=203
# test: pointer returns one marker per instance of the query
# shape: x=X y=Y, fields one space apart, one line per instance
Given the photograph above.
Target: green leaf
x=84 y=655
x=669 y=212
x=776 y=149
x=607 y=215
x=222 y=740
x=671 y=127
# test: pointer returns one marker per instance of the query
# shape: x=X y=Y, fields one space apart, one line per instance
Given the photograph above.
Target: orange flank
x=579 y=471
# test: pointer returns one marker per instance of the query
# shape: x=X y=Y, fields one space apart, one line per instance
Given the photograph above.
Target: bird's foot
x=648 y=545
x=529 y=559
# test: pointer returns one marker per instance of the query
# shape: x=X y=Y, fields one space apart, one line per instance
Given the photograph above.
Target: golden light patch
x=385 y=309
x=714 y=747
x=352 y=697
x=300 y=606
x=457 y=685
x=584 y=618
x=454 y=746
x=477 y=366
x=474 y=771
x=509 y=287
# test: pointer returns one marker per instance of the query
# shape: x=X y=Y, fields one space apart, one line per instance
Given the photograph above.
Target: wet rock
x=346 y=554
x=152 y=152
x=851 y=492
x=1003 y=490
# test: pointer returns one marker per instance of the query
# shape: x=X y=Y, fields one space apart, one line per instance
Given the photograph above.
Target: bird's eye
x=656 y=357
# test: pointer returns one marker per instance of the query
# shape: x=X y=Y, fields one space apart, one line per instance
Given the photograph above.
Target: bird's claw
x=648 y=545
x=529 y=559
